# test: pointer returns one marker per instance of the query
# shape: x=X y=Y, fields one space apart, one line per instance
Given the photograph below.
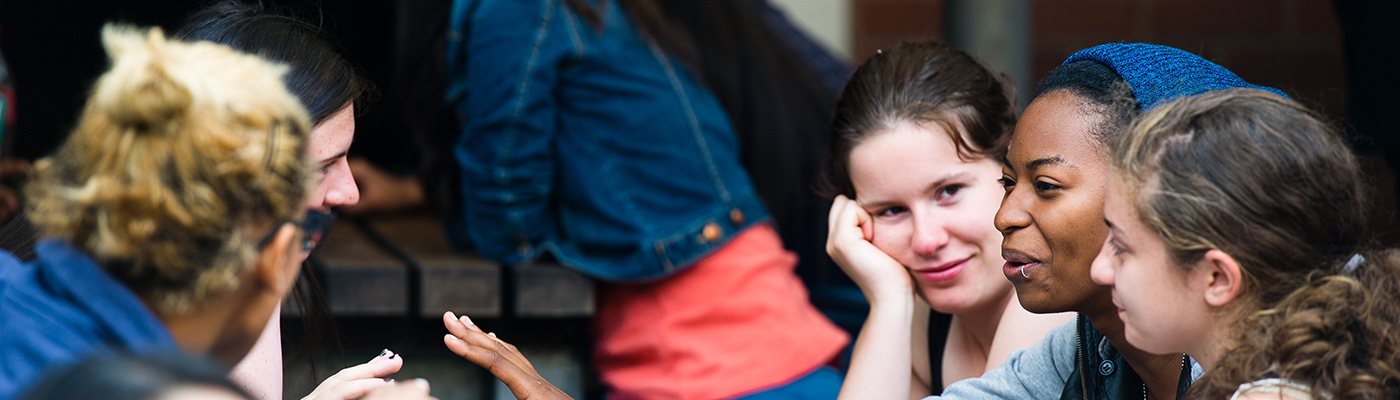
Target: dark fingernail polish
x=393 y=356
x=382 y=353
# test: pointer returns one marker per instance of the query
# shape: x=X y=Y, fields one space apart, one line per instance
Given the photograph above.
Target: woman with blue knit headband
x=1055 y=175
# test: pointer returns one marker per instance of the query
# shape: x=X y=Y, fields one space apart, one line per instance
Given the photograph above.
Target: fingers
x=837 y=204
x=524 y=383
x=866 y=223
x=384 y=364
x=413 y=389
x=349 y=390
x=463 y=328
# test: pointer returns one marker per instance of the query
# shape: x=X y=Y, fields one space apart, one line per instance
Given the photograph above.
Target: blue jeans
x=822 y=383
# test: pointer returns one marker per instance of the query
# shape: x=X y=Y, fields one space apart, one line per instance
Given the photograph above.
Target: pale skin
x=260 y=373
x=1166 y=307
x=226 y=326
x=920 y=234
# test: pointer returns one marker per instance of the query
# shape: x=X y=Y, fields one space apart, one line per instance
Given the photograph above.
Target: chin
x=1036 y=300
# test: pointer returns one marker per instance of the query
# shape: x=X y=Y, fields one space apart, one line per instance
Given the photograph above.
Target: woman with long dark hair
x=916 y=147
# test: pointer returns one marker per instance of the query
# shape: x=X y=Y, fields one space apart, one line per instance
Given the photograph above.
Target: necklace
x=1183 y=370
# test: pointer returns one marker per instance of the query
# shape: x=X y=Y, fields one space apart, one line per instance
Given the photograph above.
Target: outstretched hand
x=500 y=358
x=848 y=242
x=354 y=382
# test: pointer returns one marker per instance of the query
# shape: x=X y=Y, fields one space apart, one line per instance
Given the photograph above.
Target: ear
x=1220 y=276
x=275 y=269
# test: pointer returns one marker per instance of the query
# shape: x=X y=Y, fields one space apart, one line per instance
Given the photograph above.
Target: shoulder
x=1272 y=389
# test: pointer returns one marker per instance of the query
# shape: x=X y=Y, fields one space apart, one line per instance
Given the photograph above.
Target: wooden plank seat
x=402 y=265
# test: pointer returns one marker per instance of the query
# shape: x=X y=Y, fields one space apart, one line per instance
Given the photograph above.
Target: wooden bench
x=403 y=265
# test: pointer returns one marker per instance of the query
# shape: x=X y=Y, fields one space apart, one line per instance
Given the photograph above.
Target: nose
x=343 y=192
x=1013 y=213
x=929 y=235
x=1101 y=271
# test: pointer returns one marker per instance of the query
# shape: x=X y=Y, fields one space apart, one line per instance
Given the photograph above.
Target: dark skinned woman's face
x=1051 y=220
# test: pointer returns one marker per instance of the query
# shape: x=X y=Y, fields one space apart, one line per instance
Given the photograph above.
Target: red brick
x=1099 y=18
x=1317 y=78
x=1316 y=16
x=1216 y=17
x=898 y=17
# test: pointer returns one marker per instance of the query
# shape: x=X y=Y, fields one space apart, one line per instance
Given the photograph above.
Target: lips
x=943 y=272
x=1017 y=264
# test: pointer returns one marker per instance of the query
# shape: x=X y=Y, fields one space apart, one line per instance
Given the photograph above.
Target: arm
x=1021 y=329
x=1038 y=372
x=881 y=363
x=513 y=55
x=921 y=382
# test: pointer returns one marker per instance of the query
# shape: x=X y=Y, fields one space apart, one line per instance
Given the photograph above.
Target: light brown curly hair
x=1266 y=181
x=184 y=155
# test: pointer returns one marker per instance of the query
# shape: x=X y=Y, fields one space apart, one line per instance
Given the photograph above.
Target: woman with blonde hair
x=175 y=214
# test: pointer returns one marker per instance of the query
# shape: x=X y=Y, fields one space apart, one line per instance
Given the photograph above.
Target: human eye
x=1007 y=183
x=1117 y=248
x=948 y=192
x=889 y=212
x=1043 y=186
x=326 y=168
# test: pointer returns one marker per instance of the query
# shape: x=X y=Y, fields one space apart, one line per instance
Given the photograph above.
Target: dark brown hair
x=1266 y=181
x=319 y=76
x=922 y=82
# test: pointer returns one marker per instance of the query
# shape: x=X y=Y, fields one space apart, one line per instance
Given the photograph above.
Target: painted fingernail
x=383 y=353
x=393 y=356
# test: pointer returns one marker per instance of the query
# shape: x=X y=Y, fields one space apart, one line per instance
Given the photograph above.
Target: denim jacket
x=590 y=144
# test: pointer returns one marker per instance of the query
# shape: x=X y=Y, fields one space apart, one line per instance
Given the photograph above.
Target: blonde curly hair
x=184 y=155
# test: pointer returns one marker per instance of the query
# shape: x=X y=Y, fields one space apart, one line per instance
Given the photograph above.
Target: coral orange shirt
x=737 y=321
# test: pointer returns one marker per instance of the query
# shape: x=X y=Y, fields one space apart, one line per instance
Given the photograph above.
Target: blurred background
x=1335 y=56
x=1299 y=46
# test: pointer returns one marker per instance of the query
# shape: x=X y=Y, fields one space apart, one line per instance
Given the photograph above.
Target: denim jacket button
x=711 y=232
x=737 y=217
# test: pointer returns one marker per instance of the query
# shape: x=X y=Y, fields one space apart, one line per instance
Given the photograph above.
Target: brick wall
x=1294 y=45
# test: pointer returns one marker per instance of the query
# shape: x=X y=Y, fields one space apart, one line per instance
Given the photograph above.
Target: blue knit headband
x=1159 y=74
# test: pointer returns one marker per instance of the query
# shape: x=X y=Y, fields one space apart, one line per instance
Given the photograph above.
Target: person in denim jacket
x=585 y=137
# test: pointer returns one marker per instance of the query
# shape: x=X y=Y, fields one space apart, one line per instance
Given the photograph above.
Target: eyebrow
x=937 y=183
x=1047 y=161
x=334 y=157
x=1113 y=231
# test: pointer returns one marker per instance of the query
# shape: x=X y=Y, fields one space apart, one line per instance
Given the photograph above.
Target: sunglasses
x=313 y=226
